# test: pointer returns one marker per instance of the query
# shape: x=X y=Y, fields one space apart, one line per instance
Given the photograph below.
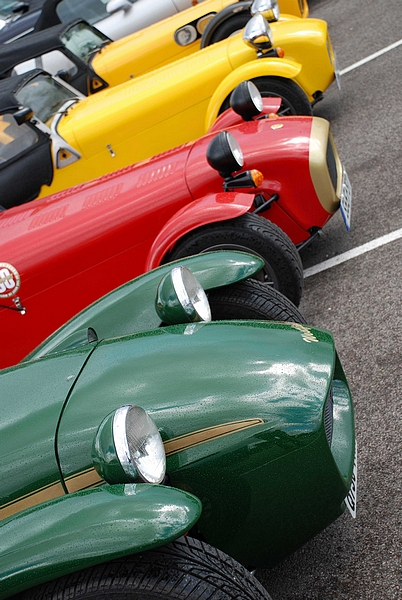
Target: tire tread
x=259 y=236
x=186 y=569
x=252 y=299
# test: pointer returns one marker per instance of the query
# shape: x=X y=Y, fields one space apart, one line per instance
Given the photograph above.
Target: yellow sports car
x=308 y=55
x=98 y=134
x=118 y=18
x=162 y=109
x=198 y=27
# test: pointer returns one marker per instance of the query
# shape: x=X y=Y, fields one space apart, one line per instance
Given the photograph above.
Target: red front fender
x=208 y=209
x=228 y=118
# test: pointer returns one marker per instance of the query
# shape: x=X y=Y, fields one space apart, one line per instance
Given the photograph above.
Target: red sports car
x=239 y=189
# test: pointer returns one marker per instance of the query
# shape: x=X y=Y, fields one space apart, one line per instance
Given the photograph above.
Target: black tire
x=282 y=270
x=252 y=299
x=229 y=27
x=294 y=100
x=182 y=570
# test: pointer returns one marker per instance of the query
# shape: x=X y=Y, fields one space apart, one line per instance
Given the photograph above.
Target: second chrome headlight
x=128 y=447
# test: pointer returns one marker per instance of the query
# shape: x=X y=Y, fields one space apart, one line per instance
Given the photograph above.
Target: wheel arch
x=221 y=17
x=270 y=67
x=203 y=211
x=71 y=532
x=229 y=118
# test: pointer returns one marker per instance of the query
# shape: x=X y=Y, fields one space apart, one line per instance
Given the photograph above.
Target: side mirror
x=64 y=75
x=114 y=6
x=20 y=8
x=23 y=115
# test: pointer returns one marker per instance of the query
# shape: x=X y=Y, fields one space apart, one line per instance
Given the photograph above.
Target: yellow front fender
x=264 y=67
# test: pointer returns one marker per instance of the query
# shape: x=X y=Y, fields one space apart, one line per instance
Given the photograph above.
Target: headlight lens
x=268 y=8
x=128 y=447
x=185 y=35
x=257 y=33
x=224 y=154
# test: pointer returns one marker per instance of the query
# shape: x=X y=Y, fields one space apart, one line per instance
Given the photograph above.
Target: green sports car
x=142 y=420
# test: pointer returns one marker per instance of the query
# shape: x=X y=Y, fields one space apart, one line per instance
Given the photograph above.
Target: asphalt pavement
x=353 y=288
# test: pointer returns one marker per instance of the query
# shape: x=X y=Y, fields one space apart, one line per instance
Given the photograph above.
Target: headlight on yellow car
x=186 y=35
x=128 y=447
x=257 y=34
x=268 y=8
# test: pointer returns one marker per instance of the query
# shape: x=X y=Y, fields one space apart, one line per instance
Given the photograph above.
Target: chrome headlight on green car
x=180 y=298
x=128 y=447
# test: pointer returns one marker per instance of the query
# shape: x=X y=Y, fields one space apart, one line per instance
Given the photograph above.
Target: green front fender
x=131 y=307
x=87 y=528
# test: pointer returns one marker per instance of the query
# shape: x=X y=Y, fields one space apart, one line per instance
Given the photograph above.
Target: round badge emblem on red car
x=10 y=280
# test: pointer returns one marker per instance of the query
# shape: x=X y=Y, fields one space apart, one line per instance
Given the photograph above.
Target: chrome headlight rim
x=191 y=294
x=235 y=149
x=128 y=447
x=180 y=298
x=246 y=100
x=224 y=154
x=128 y=453
x=257 y=34
x=268 y=8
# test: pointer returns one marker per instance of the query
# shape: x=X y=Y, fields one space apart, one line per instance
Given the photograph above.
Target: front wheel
x=282 y=269
x=252 y=299
x=294 y=100
x=230 y=27
x=185 y=569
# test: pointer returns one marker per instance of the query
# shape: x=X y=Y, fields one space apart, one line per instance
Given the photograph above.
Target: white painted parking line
x=337 y=260
x=371 y=57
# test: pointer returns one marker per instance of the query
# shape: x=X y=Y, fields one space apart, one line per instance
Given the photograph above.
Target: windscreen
x=14 y=138
x=44 y=95
x=84 y=41
x=91 y=11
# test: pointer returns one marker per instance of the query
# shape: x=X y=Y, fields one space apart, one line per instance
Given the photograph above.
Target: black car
x=20 y=17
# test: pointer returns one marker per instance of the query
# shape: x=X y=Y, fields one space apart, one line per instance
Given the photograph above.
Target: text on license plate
x=351 y=498
x=346 y=200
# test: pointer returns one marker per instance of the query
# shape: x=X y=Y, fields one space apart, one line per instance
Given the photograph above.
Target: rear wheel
x=282 y=269
x=252 y=299
x=185 y=569
x=294 y=100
